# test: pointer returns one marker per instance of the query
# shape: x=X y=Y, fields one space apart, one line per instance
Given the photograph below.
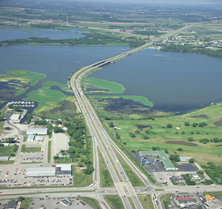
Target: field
x=105 y=177
x=217 y=195
x=113 y=201
x=165 y=200
x=49 y=151
x=30 y=149
x=53 y=100
x=95 y=85
x=154 y=133
x=26 y=203
x=146 y=201
x=7 y=151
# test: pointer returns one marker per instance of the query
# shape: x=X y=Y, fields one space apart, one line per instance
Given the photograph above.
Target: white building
x=4 y=158
x=40 y=171
x=31 y=138
x=39 y=138
x=41 y=131
x=15 y=117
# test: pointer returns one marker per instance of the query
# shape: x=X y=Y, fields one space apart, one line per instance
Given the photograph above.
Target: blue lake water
x=9 y=33
x=176 y=82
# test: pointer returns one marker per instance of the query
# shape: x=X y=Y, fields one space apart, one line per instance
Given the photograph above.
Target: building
x=183 y=159
x=4 y=158
x=30 y=138
x=63 y=170
x=163 y=157
x=65 y=202
x=178 y=179
x=12 y=204
x=185 y=201
x=59 y=170
x=39 y=131
x=15 y=117
x=39 y=138
x=213 y=204
x=40 y=171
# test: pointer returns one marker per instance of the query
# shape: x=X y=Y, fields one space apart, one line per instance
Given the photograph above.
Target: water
x=57 y=62
x=9 y=33
x=176 y=82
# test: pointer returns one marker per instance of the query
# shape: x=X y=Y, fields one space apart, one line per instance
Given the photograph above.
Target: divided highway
x=101 y=138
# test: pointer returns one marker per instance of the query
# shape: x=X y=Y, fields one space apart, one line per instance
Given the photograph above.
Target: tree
x=199 y=171
x=191 y=160
x=169 y=125
x=117 y=136
x=180 y=149
x=194 y=124
x=20 y=199
x=150 y=117
x=17 y=108
x=190 y=139
x=56 y=157
x=10 y=106
x=183 y=132
x=187 y=124
x=111 y=124
x=153 y=148
x=29 y=117
x=137 y=132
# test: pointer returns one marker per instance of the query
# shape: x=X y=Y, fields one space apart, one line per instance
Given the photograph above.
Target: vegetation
x=8 y=151
x=49 y=151
x=91 y=202
x=114 y=201
x=30 y=149
x=165 y=200
x=188 y=179
x=146 y=201
x=26 y=202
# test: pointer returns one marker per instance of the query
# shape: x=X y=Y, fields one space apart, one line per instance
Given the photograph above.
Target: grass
x=81 y=179
x=105 y=177
x=7 y=151
x=131 y=202
x=63 y=160
x=91 y=202
x=25 y=204
x=25 y=138
x=96 y=85
x=214 y=194
x=113 y=201
x=165 y=200
x=146 y=201
x=202 y=152
x=49 y=151
x=30 y=149
x=7 y=162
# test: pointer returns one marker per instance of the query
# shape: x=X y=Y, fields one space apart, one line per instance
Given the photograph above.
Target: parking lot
x=55 y=203
x=15 y=177
x=31 y=157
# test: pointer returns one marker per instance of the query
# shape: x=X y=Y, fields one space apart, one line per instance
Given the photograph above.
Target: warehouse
x=30 y=138
x=39 y=138
x=59 y=170
x=40 y=171
x=41 y=131
x=4 y=158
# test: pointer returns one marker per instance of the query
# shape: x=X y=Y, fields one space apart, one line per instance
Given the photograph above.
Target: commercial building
x=40 y=131
x=31 y=138
x=213 y=204
x=15 y=117
x=4 y=158
x=59 y=170
x=39 y=138
x=178 y=179
x=162 y=156
x=12 y=204
x=185 y=201
x=65 y=202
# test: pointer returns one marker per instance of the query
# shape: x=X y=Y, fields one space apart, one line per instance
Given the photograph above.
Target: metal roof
x=39 y=138
x=162 y=157
x=40 y=171
x=31 y=137
x=64 y=167
x=4 y=157
x=37 y=131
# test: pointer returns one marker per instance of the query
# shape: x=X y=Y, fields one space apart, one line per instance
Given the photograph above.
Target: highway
x=99 y=135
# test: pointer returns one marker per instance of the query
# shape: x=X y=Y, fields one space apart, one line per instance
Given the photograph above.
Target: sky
x=162 y=1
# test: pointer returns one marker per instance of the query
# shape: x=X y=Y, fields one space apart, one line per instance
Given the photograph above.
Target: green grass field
x=214 y=194
x=159 y=134
x=63 y=160
x=25 y=138
x=165 y=200
x=49 y=151
x=25 y=204
x=113 y=201
x=30 y=149
x=80 y=179
x=7 y=162
x=146 y=201
x=7 y=151
x=95 y=84
x=105 y=177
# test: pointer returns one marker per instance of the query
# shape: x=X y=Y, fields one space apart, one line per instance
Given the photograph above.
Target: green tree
x=187 y=123
x=179 y=149
x=169 y=125
x=20 y=199
x=190 y=139
x=191 y=160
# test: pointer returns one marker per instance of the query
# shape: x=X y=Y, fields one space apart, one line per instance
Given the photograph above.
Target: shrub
x=187 y=124
x=191 y=160
x=180 y=149
x=169 y=125
x=190 y=139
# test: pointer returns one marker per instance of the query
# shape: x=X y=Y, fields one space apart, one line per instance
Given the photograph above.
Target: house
x=178 y=179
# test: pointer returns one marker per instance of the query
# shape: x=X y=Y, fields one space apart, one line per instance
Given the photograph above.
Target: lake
x=172 y=81
x=10 y=33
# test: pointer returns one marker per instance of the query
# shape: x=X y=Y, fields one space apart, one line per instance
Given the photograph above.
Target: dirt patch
x=142 y=126
x=78 y=170
x=219 y=145
x=218 y=123
x=182 y=143
x=199 y=116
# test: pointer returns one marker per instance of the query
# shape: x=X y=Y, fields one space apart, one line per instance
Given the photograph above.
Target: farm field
x=202 y=143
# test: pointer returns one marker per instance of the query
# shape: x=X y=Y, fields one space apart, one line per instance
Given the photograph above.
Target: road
x=99 y=135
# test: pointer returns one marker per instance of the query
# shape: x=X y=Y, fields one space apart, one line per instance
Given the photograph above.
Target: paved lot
x=187 y=167
x=28 y=157
x=60 y=142
x=53 y=203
